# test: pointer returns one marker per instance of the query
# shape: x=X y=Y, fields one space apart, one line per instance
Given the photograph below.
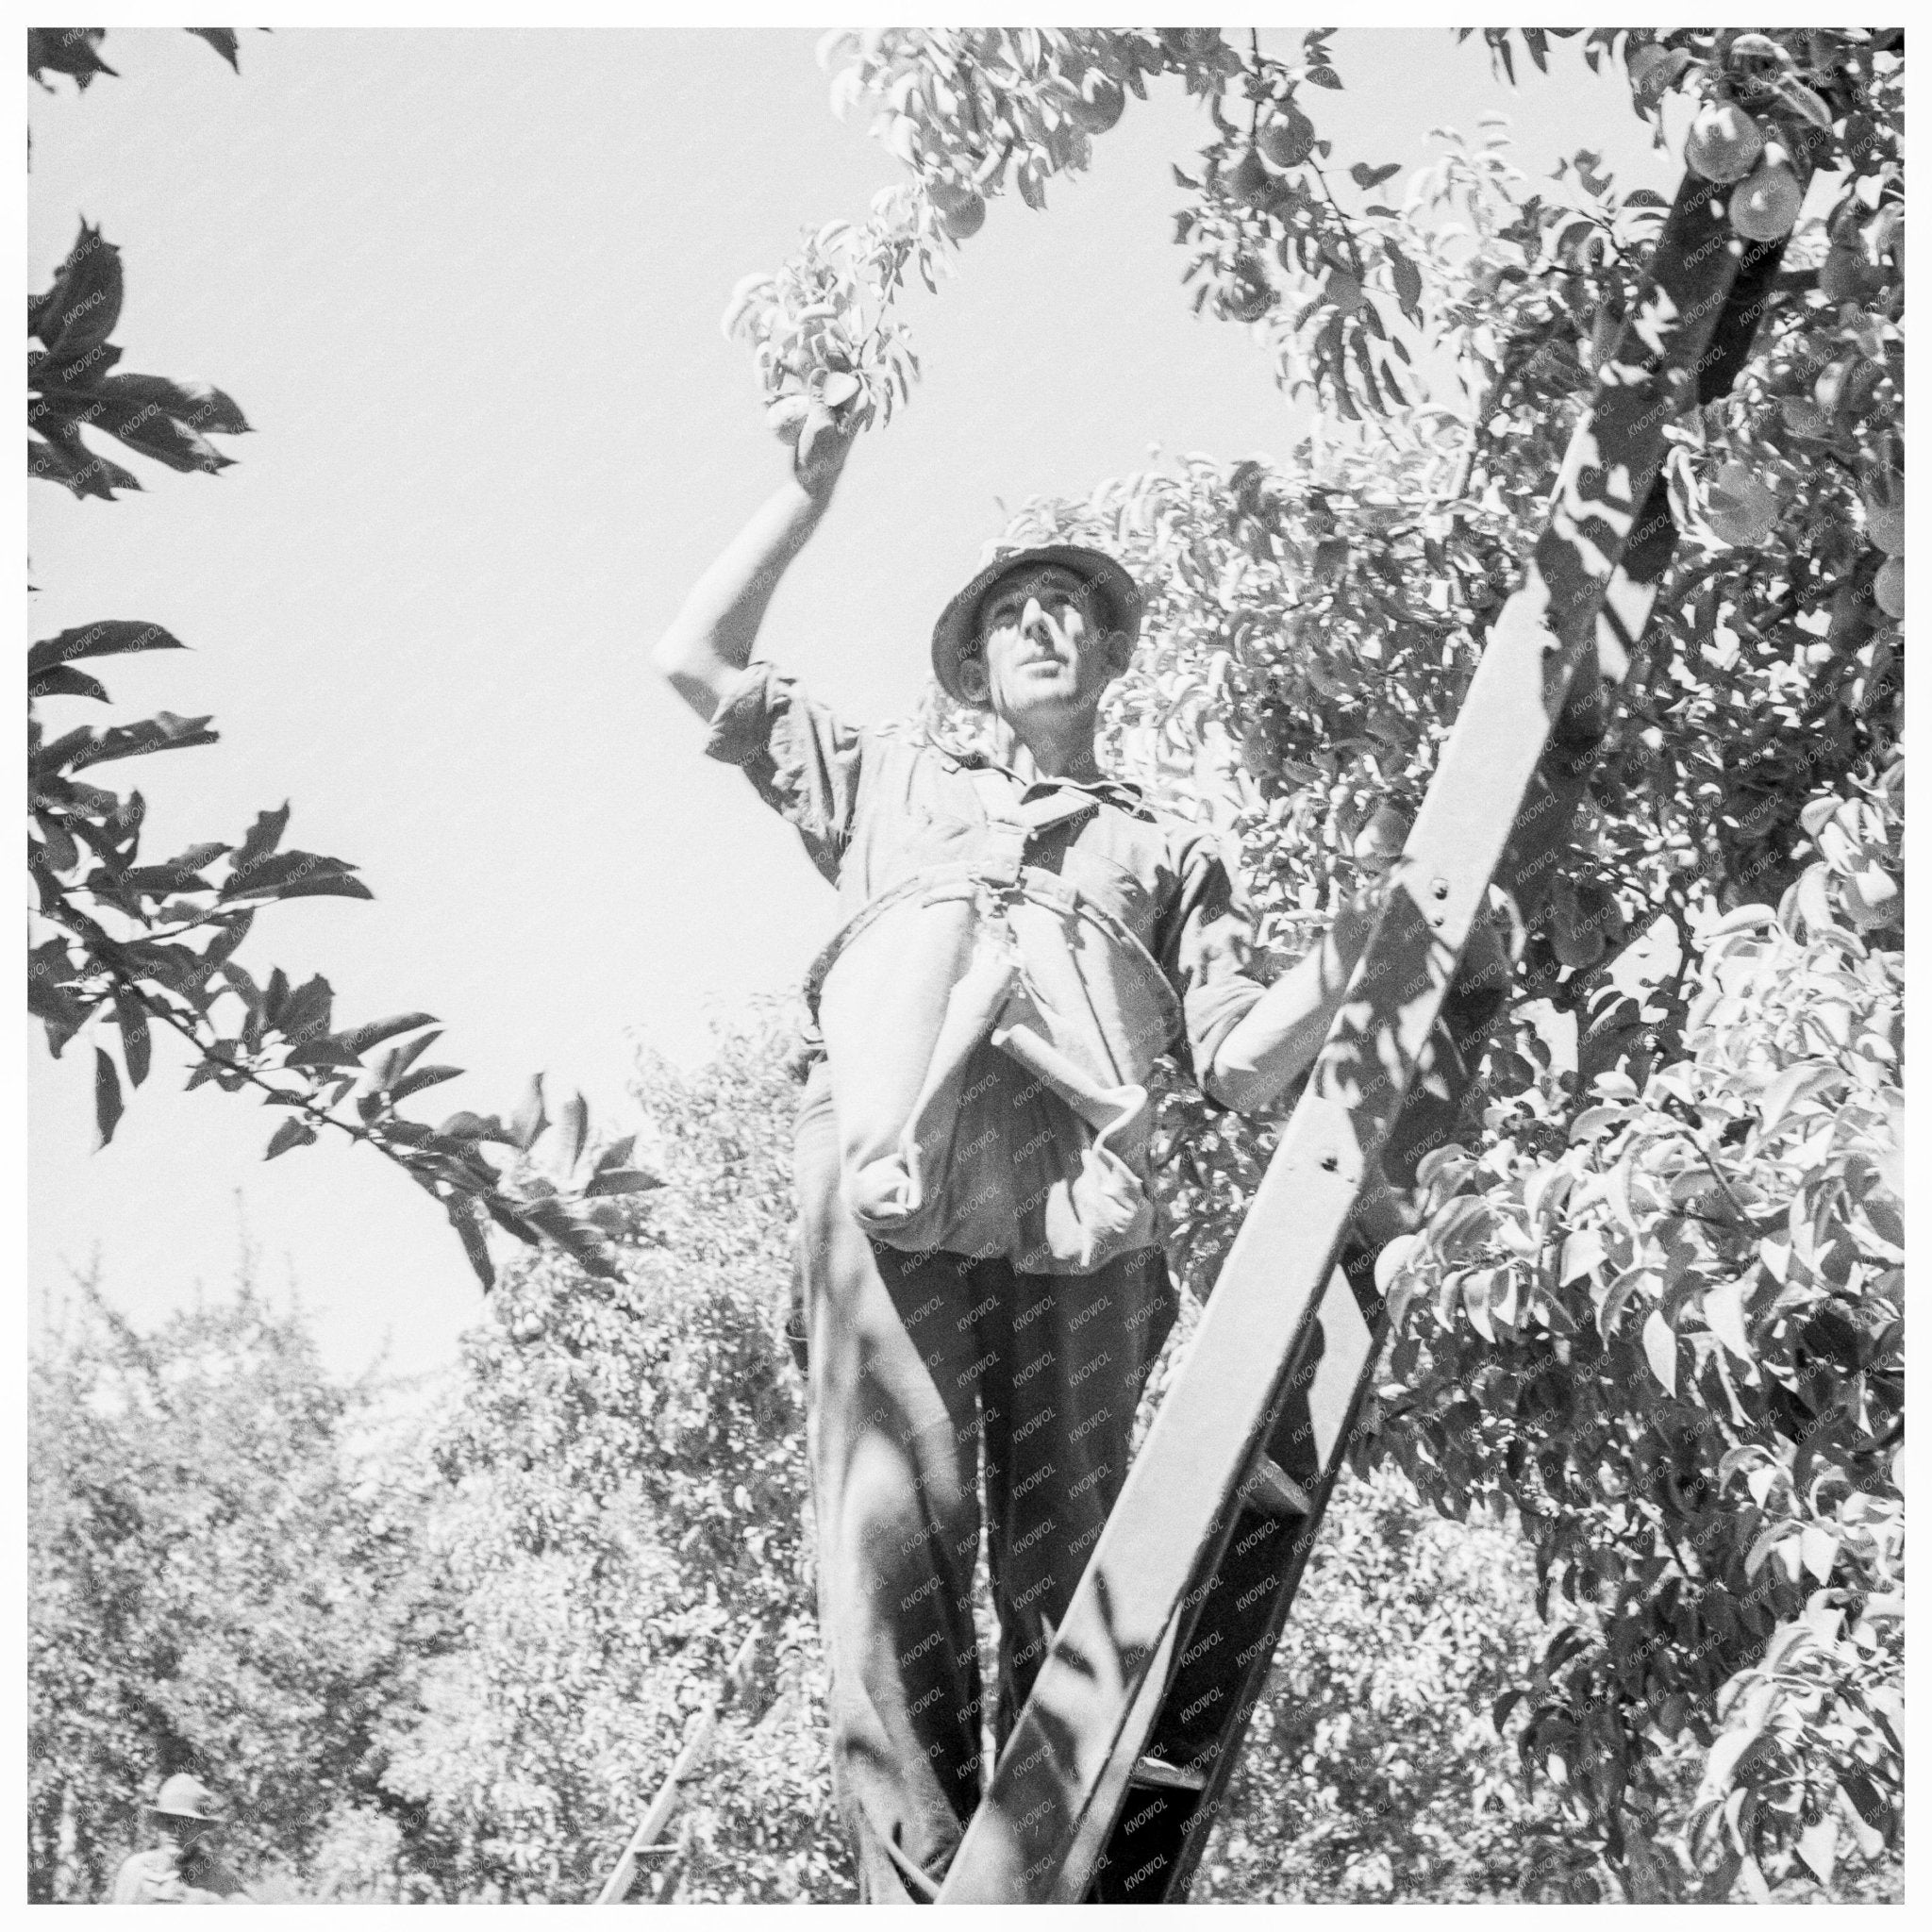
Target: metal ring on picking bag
x=1042 y=889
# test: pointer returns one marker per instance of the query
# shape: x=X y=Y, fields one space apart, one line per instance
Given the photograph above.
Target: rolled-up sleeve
x=802 y=761
x=1204 y=950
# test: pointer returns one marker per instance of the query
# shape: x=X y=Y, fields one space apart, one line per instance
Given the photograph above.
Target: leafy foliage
x=626 y=1467
x=111 y=936
x=1669 y=1329
x=76 y=51
x=72 y=382
x=224 y=1575
x=608 y=1498
x=967 y=109
x=963 y=107
x=828 y=352
x=114 y=941
x=1372 y=1771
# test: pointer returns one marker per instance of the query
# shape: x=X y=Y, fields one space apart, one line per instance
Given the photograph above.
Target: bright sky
x=466 y=286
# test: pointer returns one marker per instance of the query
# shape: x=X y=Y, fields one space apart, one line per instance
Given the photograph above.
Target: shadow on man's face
x=184 y=1833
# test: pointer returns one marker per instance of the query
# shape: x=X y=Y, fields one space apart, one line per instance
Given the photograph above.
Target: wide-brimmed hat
x=955 y=634
x=184 y=1796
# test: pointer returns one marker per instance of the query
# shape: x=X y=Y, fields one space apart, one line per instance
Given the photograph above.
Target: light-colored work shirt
x=165 y=1877
x=1011 y=959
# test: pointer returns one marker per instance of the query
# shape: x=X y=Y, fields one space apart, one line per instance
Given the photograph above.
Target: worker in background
x=183 y=1868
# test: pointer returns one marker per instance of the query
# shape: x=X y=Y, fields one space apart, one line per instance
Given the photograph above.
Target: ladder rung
x=1271 y=1489
x=1169 y=1777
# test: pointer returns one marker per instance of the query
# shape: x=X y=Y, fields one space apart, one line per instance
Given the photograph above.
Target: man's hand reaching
x=819 y=442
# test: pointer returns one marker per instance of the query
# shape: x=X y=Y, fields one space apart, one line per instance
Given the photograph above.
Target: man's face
x=183 y=1832
x=1043 y=650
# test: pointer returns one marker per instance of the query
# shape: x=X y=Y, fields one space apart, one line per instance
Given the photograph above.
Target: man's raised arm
x=710 y=640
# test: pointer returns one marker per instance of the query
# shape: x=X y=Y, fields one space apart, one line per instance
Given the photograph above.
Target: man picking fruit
x=982 y=1292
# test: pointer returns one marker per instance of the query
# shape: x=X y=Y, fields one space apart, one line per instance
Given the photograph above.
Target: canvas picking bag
x=990 y=1031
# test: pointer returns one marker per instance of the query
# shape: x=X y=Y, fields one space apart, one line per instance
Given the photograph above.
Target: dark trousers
x=920 y=1366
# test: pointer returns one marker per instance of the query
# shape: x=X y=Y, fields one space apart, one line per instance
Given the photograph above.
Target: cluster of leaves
x=1349 y=285
x=226 y=1575
x=1570 y=262
x=76 y=51
x=961 y=106
x=140 y=945
x=828 y=352
x=1261 y=191
x=72 y=382
x=968 y=107
x=1669 y=1330
x=964 y=108
x=1770 y=665
x=135 y=944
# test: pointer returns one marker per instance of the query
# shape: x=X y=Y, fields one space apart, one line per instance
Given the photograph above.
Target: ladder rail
x=1629 y=598
x=1185 y=1841
x=644 y=1842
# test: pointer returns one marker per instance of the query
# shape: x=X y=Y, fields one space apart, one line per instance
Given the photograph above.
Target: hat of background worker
x=183 y=1796
x=955 y=635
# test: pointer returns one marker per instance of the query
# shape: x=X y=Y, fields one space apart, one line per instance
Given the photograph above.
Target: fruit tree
x=1651 y=1310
